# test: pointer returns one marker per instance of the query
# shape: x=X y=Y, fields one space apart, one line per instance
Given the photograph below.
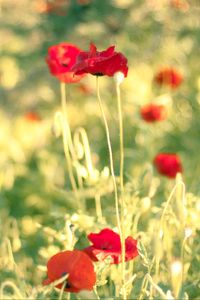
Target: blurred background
x=152 y=34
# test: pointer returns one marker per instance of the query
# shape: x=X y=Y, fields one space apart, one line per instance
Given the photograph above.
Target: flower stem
x=64 y=111
x=67 y=137
x=121 y=137
x=98 y=208
x=110 y=155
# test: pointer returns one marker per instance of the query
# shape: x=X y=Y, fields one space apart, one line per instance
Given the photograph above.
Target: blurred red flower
x=180 y=4
x=32 y=117
x=75 y=263
x=170 y=77
x=153 y=112
x=101 y=63
x=58 y=7
x=168 y=164
x=107 y=243
x=60 y=59
x=84 y=89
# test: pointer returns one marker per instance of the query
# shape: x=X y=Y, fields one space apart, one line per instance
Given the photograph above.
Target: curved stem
x=111 y=157
x=98 y=208
x=67 y=140
x=64 y=110
x=121 y=137
x=66 y=151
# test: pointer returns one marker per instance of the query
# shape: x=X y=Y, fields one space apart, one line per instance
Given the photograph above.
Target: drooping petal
x=107 y=243
x=99 y=63
x=77 y=265
x=60 y=59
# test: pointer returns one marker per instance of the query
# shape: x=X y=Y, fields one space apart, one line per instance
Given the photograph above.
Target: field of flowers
x=99 y=149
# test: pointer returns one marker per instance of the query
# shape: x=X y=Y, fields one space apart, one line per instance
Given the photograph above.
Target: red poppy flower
x=77 y=265
x=84 y=89
x=107 y=243
x=170 y=77
x=153 y=112
x=101 y=63
x=60 y=59
x=57 y=7
x=32 y=117
x=168 y=164
x=180 y=4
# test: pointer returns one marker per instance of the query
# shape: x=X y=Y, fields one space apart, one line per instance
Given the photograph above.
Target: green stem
x=64 y=110
x=121 y=137
x=67 y=137
x=110 y=155
x=62 y=291
x=98 y=208
x=182 y=260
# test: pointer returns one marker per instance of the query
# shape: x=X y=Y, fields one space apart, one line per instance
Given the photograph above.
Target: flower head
x=180 y=4
x=32 y=116
x=60 y=59
x=100 y=63
x=77 y=265
x=168 y=164
x=169 y=77
x=107 y=243
x=153 y=112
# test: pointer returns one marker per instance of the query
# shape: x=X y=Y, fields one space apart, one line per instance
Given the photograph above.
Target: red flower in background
x=107 y=243
x=153 y=112
x=180 y=4
x=60 y=59
x=32 y=117
x=170 y=77
x=75 y=263
x=101 y=63
x=168 y=164
x=58 y=7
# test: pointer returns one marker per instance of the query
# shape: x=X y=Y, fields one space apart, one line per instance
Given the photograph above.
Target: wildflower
x=180 y=4
x=60 y=59
x=168 y=164
x=77 y=265
x=101 y=63
x=107 y=243
x=32 y=117
x=57 y=7
x=153 y=112
x=169 y=77
x=84 y=89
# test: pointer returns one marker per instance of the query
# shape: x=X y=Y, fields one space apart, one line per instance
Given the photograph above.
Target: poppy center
x=67 y=285
x=106 y=246
x=98 y=74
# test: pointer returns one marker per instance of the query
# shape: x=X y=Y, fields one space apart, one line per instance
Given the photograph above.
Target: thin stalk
x=67 y=138
x=156 y=287
x=64 y=110
x=182 y=260
x=144 y=287
x=121 y=138
x=62 y=291
x=110 y=156
x=98 y=208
